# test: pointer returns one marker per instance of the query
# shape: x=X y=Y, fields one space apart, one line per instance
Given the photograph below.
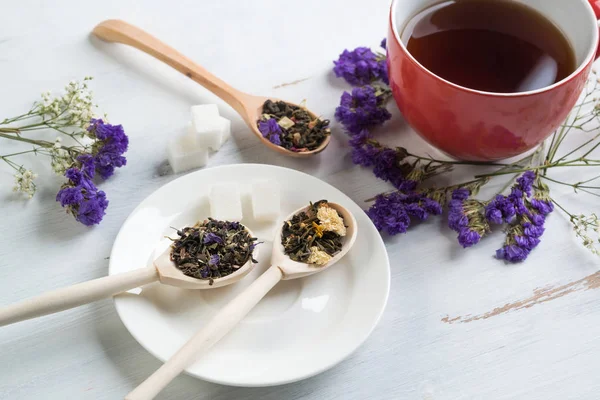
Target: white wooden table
x=459 y=324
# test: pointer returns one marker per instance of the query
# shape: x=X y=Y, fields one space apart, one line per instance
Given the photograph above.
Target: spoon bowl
x=249 y=107
x=292 y=269
x=169 y=274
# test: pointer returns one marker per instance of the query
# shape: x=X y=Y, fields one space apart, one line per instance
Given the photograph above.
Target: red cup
x=482 y=126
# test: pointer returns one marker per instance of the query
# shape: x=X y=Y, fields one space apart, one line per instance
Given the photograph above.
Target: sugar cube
x=226 y=133
x=266 y=201
x=184 y=153
x=225 y=202
x=212 y=132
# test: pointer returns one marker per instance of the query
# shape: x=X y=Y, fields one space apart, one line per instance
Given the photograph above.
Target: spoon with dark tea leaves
x=163 y=270
x=282 y=268
x=249 y=107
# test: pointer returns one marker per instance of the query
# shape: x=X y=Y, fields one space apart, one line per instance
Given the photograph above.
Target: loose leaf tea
x=212 y=249
x=315 y=235
x=292 y=127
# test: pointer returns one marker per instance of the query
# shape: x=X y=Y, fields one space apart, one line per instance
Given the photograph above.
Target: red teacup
x=481 y=126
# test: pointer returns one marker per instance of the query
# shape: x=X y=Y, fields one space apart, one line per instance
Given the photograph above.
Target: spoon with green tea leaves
x=285 y=127
x=317 y=237
x=209 y=255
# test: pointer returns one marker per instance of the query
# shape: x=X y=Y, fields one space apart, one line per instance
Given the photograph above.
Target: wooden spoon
x=282 y=268
x=162 y=270
x=247 y=106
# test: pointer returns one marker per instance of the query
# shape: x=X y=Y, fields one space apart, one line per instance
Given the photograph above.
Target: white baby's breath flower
x=587 y=228
x=75 y=107
x=24 y=182
x=60 y=159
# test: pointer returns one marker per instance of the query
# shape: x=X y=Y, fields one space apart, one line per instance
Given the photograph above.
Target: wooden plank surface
x=459 y=324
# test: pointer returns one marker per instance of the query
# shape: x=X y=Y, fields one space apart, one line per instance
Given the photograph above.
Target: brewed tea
x=490 y=45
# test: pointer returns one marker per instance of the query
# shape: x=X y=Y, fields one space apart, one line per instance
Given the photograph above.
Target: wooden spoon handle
x=76 y=295
x=219 y=326
x=114 y=30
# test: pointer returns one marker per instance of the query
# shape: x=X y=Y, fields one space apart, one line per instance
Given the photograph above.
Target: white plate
x=301 y=328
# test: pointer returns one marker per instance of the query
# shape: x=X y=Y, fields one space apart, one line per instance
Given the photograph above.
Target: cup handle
x=596 y=7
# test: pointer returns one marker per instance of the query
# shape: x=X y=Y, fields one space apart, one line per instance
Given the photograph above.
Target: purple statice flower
x=525 y=182
x=461 y=194
x=87 y=165
x=214 y=260
x=362 y=109
x=466 y=216
x=526 y=242
x=92 y=210
x=211 y=238
x=360 y=138
x=392 y=212
x=233 y=225
x=271 y=130
x=384 y=43
x=512 y=253
x=544 y=207
x=69 y=196
x=468 y=237
x=364 y=155
x=456 y=217
x=111 y=145
x=389 y=213
x=358 y=67
x=81 y=198
x=499 y=210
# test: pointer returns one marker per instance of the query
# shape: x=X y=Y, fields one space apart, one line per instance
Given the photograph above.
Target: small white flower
x=24 y=182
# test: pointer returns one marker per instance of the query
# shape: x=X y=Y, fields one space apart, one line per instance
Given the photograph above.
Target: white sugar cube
x=212 y=131
x=185 y=154
x=266 y=201
x=225 y=202
x=226 y=133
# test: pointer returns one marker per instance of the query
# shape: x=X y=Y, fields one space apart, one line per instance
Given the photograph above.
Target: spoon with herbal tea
x=293 y=130
x=209 y=255
x=327 y=232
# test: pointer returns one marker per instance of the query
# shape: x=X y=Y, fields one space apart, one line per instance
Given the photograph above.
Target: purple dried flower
x=384 y=43
x=461 y=194
x=392 y=212
x=109 y=149
x=212 y=238
x=92 y=210
x=512 y=253
x=543 y=207
x=526 y=242
x=357 y=67
x=499 y=210
x=214 y=260
x=532 y=230
x=468 y=237
x=525 y=182
x=432 y=206
x=360 y=138
x=271 y=130
x=364 y=155
x=389 y=214
x=88 y=165
x=361 y=110
x=69 y=196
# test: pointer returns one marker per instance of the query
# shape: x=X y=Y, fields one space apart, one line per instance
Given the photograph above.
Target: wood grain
x=549 y=351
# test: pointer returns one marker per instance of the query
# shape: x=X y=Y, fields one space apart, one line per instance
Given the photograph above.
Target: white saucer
x=301 y=328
